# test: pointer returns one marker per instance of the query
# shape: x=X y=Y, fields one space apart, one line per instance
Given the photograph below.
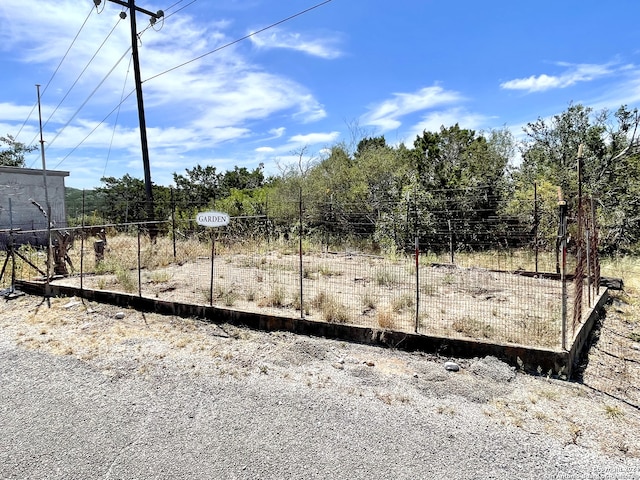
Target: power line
x=95 y=128
x=81 y=73
x=87 y=99
x=115 y=123
x=55 y=72
x=151 y=25
x=240 y=39
x=87 y=66
x=302 y=12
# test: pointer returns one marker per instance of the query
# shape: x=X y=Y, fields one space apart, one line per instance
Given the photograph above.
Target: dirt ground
x=362 y=290
x=598 y=411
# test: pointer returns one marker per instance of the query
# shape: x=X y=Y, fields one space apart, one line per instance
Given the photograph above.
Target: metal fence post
x=562 y=237
x=417 y=284
x=173 y=223
x=139 y=264
x=82 y=241
x=300 y=255
x=213 y=252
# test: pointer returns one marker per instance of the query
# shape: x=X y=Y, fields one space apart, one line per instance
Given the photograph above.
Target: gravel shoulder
x=93 y=391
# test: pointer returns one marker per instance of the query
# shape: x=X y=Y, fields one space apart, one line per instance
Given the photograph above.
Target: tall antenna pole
x=143 y=126
x=46 y=196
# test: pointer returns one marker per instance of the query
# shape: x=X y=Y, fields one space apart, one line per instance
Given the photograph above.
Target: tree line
x=478 y=186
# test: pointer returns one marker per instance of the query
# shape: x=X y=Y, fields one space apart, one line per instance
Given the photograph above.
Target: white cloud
x=573 y=74
x=433 y=121
x=323 y=47
x=207 y=102
x=387 y=114
x=265 y=149
x=277 y=132
x=315 y=138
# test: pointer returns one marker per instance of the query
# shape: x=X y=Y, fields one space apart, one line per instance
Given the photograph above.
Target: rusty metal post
x=562 y=238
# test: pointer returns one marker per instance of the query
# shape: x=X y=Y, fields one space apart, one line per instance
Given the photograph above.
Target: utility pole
x=136 y=69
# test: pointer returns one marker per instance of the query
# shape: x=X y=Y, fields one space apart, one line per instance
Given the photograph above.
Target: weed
x=334 y=312
x=402 y=302
x=326 y=271
x=126 y=279
x=369 y=301
x=229 y=298
x=574 y=431
x=548 y=394
x=386 y=278
x=182 y=342
x=159 y=276
x=384 y=397
x=386 y=318
x=275 y=298
x=472 y=327
x=429 y=289
x=442 y=410
x=320 y=300
x=297 y=304
x=613 y=411
x=449 y=279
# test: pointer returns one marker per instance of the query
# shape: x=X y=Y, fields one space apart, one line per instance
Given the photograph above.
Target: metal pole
x=450 y=241
x=139 y=265
x=12 y=240
x=213 y=252
x=173 y=223
x=82 y=240
x=46 y=197
x=417 y=284
x=300 y=255
x=535 y=221
x=588 y=249
x=563 y=272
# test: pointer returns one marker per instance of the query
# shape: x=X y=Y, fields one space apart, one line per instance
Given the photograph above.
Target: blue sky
x=343 y=70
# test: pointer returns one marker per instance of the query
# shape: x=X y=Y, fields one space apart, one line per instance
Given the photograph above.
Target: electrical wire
x=54 y=73
x=95 y=128
x=239 y=39
x=85 y=68
x=115 y=123
x=89 y=97
x=302 y=12
x=81 y=73
x=76 y=81
x=166 y=16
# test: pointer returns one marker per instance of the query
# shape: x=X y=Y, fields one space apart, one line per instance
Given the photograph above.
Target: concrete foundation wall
x=527 y=358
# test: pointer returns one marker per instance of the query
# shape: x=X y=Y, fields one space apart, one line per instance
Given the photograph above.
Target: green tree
x=124 y=200
x=198 y=188
x=13 y=155
x=461 y=180
x=610 y=173
x=240 y=178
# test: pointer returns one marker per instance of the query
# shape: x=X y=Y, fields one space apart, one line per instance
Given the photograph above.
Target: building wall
x=20 y=190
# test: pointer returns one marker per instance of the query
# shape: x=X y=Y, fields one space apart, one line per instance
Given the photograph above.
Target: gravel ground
x=91 y=391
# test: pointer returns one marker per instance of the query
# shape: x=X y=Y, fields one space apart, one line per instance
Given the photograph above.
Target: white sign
x=212 y=219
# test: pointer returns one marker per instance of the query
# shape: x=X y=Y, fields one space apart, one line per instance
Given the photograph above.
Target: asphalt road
x=65 y=418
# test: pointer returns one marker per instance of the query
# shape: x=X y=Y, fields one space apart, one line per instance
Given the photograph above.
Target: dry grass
x=472 y=302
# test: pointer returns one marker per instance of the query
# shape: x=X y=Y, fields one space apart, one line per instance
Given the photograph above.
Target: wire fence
x=492 y=278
